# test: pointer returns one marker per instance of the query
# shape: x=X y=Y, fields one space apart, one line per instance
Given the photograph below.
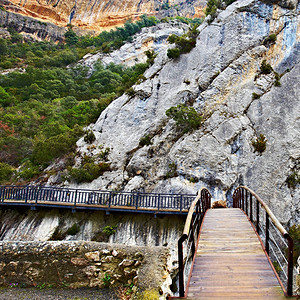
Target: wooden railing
x=278 y=243
x=41 y=195
x=188 y=240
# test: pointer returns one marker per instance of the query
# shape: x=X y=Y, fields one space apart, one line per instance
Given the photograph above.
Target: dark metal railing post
x=26 y=194
x=137 y=200
x=290 y=266
x=251 y=209
x=193 y=240
x=158 y=202
x=180 y=202
x=246 y=200
x=257 y=216
x=3 y=194
x=267 y=233
x=180 y=265
x=243 y=199
x=75 y=198
x=109 y=199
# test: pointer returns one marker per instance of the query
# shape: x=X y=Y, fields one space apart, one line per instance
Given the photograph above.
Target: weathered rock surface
x=99 y=15
x=150 y=38
x=31 y=28
x=60 y=263
x=218 y=78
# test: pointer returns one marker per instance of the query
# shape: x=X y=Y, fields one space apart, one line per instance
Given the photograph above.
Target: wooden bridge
x=80 y=199
x=234 y=253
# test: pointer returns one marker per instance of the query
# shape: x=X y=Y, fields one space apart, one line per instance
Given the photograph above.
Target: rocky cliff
x=223 y=79
x=99 y=15
x=31 y=28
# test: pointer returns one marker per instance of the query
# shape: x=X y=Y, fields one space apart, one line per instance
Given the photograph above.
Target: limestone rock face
x=31 y=28
x=98 y=15
x=150 y=38
x=218 y=78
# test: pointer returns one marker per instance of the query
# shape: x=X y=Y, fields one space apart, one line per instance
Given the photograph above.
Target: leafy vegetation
x=186 y=118
x=44 y=105
x=293 y=179
x=145 y=140
x=214 y=5
x=73 y=230
x=109 y=230
x=271 y=39
x=260 y=144
x=172 y=170
x=184 y=43
x=265 y=68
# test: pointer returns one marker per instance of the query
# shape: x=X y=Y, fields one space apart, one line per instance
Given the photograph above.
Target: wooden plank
x=230 y=261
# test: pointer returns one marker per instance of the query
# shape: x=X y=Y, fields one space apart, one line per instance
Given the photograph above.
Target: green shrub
x=293 y=179
x=6 y=172
x=88 y=171
x=277 y=79
x=260 y=144
x=172 y=170
x=271 y=39
x=149 y=295
x=73 y=230
x=145 y=140
x=294 y=232
x=109 y=230
x=186 y=118
x=89 y=137
x=265 y=68
x=255 y=96
x=150 y=56
x=173 y=53
x=106 y=279
x=130 y=92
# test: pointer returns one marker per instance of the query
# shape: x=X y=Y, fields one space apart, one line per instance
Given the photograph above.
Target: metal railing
x=40 y=195
x=277 y=242
x=190 y=236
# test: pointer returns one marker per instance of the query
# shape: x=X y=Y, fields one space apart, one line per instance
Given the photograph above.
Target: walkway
x=230 y=262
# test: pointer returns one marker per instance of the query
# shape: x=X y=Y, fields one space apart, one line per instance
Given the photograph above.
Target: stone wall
x=82 y=264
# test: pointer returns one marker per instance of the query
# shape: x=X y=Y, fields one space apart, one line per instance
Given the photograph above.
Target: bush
x=255 y=96
x=89 y=137
x=271 y=39
x=265 y=68
x=88 y=172
x=186 y=118
x=173 y=53
x=293 y=180
x=73 y=230
x=172 y=172
x=260 y=144
x=145 y=140
x=6 y=172
x=149 y=295
x=109 y=230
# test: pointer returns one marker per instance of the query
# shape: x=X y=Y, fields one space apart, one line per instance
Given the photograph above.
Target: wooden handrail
x=271 y=215
x=197 y=210
x=188 y=220
x=240 y=200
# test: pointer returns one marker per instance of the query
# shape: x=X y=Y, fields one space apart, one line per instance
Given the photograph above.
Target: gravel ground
x=55 y=294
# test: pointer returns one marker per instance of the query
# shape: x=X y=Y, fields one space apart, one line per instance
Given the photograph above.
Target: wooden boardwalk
x=230 y=262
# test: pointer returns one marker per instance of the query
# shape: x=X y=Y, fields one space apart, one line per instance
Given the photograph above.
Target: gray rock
x=223 y=71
